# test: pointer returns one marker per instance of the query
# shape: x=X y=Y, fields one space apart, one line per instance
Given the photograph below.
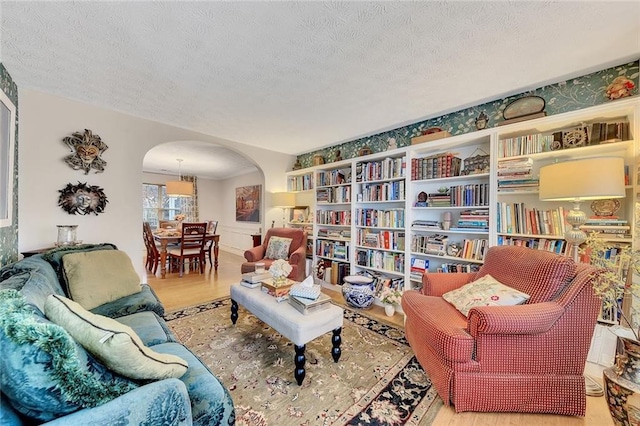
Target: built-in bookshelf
x=437 y=206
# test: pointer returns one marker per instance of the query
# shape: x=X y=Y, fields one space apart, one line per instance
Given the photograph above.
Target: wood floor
x=194 y=288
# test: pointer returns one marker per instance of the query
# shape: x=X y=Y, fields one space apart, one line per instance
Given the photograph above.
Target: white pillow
x=98 y=277
x=114 y=344
x=278 y=248
x=485 y=291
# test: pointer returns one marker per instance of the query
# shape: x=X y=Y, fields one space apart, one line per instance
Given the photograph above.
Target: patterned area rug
x=376 y=382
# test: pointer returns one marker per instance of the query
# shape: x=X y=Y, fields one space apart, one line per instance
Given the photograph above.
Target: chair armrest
x=162 y=402
x=298 y=254
x=536 y=318
x=434 y=284
x=254 y=254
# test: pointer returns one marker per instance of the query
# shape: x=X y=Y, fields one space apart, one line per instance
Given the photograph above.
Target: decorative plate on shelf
x=524 y=106
x=607 y=207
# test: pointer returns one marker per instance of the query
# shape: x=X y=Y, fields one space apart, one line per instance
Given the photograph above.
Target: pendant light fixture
x=179 y=188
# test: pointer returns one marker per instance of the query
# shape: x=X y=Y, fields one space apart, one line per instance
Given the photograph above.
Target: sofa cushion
x=485 y=291
x=150 y=328
x=35 y=280
x=278 y=248
x=45 y=373
x=113 y=343
x=97 y=277
x=54 y=258
x=541 y=274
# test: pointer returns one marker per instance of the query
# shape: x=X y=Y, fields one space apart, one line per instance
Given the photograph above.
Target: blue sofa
x=32 y=394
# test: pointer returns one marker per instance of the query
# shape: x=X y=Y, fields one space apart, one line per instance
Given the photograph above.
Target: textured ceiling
x=295 y=76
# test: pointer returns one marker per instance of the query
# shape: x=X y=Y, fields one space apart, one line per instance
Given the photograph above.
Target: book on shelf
x=308 y=306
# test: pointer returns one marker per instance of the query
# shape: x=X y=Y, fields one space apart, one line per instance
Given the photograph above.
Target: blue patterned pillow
x=278 y=248
x=45 y=373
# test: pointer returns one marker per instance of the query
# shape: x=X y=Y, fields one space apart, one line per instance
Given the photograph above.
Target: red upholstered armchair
x=525 y=358
x=297 y=252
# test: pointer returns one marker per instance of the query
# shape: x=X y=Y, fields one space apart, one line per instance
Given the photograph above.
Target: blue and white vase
x=358 y=291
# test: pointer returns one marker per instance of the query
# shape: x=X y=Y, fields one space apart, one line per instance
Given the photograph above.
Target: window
x=156 y=205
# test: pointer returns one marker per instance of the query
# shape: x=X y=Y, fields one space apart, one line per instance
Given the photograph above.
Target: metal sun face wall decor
x=82 y=199
x=87 y=149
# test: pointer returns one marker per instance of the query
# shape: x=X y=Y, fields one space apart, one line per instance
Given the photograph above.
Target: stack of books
x=254 y=279
x=309 y=306
x=607 y=227
x=517 y=175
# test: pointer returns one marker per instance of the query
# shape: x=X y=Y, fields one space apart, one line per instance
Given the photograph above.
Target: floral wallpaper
x=570 y=95
x=9 y=234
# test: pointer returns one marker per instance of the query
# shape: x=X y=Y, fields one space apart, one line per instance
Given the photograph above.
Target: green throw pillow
x=113 y=343
x=98 y=277
x=45 y=373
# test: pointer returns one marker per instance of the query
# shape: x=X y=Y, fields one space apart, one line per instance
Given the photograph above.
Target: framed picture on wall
x=299 y=214
x=248 y=203
x=7 y=155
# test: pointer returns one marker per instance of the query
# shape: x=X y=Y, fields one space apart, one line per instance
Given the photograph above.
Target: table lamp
x=283 y=200
x=581 y=180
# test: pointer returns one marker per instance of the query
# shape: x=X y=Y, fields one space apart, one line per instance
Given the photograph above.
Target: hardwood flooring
x=194 y=288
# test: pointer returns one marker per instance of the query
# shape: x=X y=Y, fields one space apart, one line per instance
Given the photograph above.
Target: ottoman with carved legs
x=285 y=319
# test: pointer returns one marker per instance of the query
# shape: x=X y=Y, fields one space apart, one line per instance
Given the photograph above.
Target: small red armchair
x=524 y=358
x=297 y=252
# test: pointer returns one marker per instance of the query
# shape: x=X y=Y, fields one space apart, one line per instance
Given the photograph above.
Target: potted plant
x=618 y=264
x=390 y=297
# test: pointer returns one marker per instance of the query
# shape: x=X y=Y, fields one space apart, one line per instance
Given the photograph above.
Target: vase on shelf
x=622 y=384
x=389 y=309
x=358 y=291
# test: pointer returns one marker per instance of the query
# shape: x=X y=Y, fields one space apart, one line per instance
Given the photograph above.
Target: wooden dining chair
x=212 y=226
x=191 y=247
x=153 y=254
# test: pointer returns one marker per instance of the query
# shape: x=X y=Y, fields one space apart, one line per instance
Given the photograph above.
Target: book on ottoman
x=280 y=290
x=308 y=306
x=255 y=277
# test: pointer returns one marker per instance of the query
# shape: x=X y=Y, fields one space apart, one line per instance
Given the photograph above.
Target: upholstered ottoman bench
x=286 y=320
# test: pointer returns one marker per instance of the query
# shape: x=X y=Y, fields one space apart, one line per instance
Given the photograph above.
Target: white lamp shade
x=283 y=199
x=179 y=188
x=587 y=179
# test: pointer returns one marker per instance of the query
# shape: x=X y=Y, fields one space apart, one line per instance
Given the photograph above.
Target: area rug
x=377 y=381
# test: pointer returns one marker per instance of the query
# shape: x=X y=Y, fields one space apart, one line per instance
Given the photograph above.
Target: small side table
x=257 y=239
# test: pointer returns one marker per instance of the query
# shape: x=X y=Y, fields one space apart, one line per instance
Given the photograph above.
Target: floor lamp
x=581 y=180
x=283 y=200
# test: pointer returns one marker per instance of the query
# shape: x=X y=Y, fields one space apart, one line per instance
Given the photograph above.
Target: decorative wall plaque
x=82 y=199
x=87 y=149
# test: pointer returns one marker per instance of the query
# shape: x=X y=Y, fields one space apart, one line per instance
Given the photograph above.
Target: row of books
x=473 y=249
x=333 y=249
x=607 y=227
x=608 y=132
x=388 y=191
x=389 y=218
x=555 y=246
x=388 y=168
x=390 y=240
x=381 y=281
x=333 y=217
x=418 y=267
x=457 y=267
x=334 y=233
x=339 y=194
x=334 y=272
x=430 y=244
x=476 y=219
x=459 y=196
x=380 y=259
x=525 y=145
x=516 y=218
x=300 y=183
x=436 y=166
x=334 y=177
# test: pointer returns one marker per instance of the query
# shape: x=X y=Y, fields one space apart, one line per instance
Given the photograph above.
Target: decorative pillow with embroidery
x=278 y=248
x=98 y=277
x=486 y=291
x=113 y=343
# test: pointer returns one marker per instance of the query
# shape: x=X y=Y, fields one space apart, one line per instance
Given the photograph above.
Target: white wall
x=46 y=119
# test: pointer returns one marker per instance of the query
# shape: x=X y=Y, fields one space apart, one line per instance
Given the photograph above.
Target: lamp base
x=575 y=236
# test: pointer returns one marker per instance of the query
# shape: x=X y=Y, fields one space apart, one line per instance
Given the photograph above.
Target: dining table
x=166 y=238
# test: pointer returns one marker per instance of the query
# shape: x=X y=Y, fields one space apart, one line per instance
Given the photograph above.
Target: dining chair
x=153 y=254
x=212 y=226
x=191 y=247
x=168 y=224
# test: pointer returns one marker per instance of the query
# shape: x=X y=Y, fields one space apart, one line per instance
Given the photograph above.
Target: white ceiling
x=296 y=76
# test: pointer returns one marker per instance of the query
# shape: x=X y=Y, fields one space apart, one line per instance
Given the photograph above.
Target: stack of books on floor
x=254 y=279
x=308 y=306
